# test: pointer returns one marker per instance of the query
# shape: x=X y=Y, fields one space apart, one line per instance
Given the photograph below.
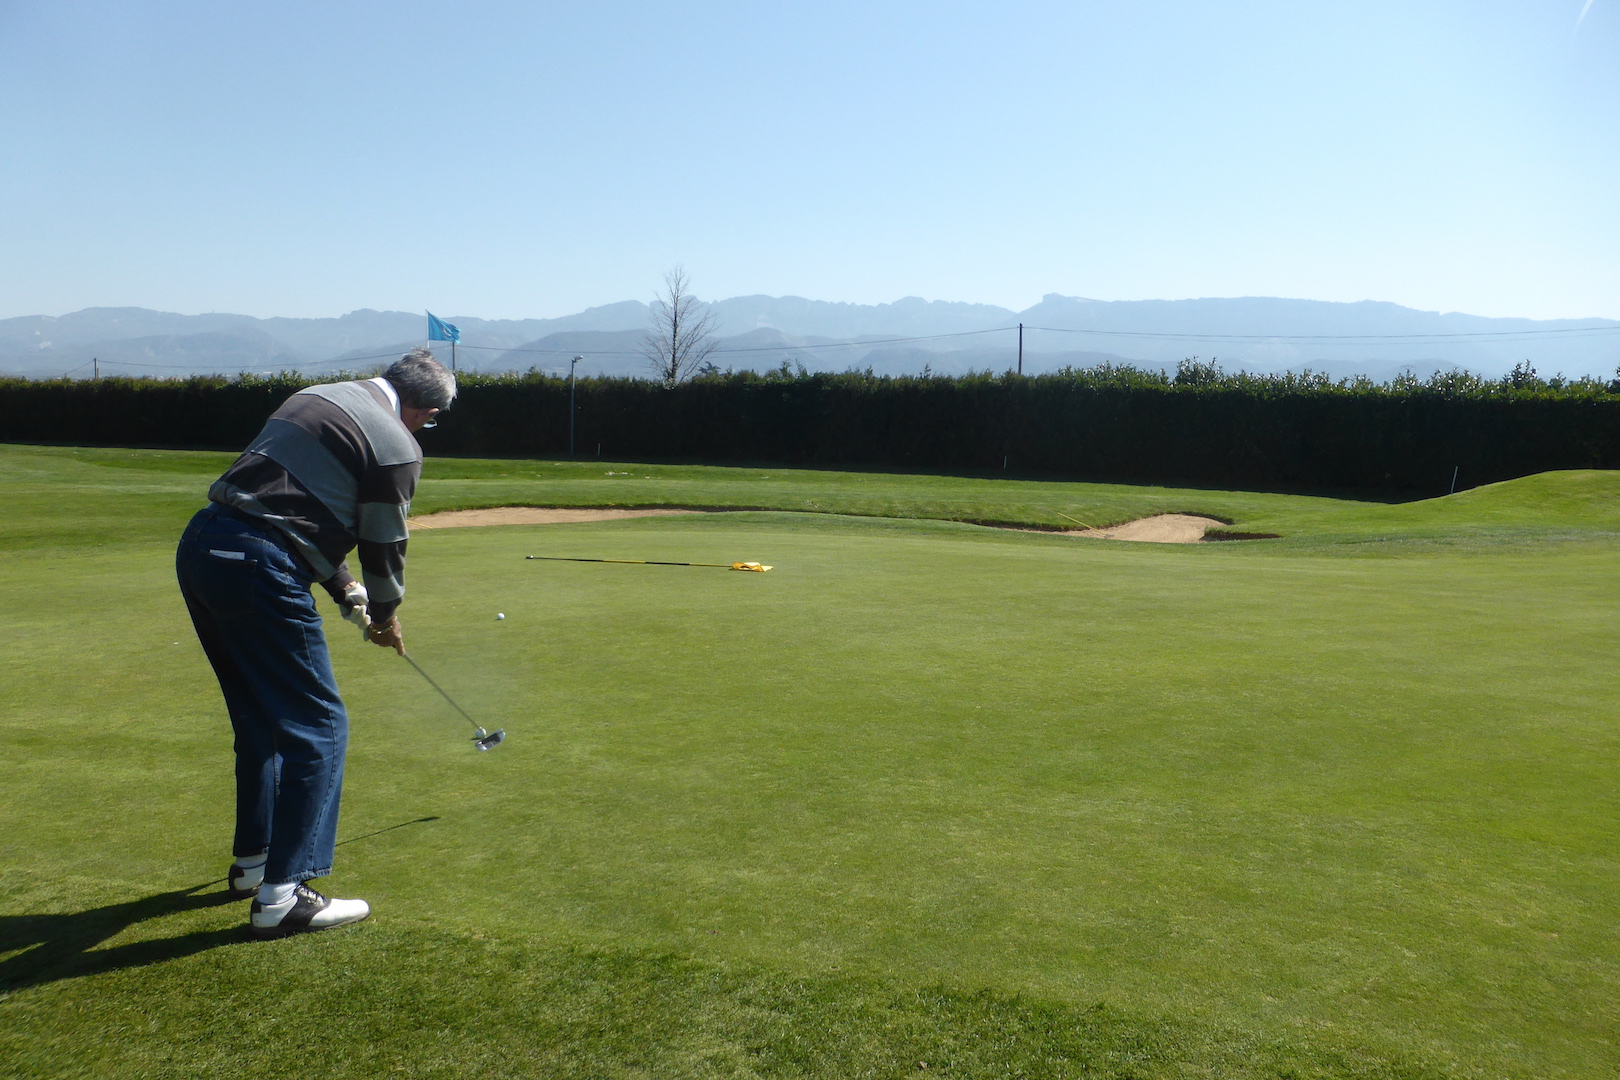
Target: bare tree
x=681 y=337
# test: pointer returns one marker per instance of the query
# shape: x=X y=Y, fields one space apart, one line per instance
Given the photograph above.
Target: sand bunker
x=1159 y=529
x=529 y=515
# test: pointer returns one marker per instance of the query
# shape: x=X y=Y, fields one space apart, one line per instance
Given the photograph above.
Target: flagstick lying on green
x=753 y=566
x=1076 y=520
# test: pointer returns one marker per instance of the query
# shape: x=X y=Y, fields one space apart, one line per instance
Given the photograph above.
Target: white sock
x=248 y=862
x=276 y=895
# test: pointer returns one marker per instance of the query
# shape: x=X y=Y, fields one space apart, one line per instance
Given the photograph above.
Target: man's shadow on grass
x=58 y=947
x=64 y=946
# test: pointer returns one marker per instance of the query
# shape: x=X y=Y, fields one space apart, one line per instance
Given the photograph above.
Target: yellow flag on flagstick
x=754 y=566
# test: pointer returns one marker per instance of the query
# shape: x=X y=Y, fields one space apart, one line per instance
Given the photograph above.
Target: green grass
x=1007 y=803
x=1564 y=506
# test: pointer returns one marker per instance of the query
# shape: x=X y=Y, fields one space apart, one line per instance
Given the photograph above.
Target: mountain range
x=1260 y=334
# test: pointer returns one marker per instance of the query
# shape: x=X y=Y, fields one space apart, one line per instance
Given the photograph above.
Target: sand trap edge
x=1156 y=529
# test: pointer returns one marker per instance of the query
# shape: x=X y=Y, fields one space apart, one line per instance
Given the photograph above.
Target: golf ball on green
x=499 y=615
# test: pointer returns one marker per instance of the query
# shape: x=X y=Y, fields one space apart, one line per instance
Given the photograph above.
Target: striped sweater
x=334 y=470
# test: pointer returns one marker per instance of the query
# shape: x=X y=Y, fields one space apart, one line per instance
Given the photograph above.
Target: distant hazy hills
x=760 y=332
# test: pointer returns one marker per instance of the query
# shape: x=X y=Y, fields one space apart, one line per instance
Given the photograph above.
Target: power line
x=1302 y=338
x=548 y=352
x=167 y=367
x=357 y=359
x=215 y=367
x=1334 y=337
x=761 y=348
x=1461 y=335
x=859 y=344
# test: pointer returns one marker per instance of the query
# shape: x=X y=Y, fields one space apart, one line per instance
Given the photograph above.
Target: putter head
x=490 y=741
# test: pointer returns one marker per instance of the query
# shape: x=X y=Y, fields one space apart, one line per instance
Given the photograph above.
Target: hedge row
x=1200 y=426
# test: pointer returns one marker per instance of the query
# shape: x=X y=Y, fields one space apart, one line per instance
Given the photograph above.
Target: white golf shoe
x=243 y=881
x=306 y=911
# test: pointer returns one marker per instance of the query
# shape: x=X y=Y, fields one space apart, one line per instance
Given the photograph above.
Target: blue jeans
x=249 y=599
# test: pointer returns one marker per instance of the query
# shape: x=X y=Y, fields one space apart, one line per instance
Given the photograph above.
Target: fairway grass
x=1010 y=804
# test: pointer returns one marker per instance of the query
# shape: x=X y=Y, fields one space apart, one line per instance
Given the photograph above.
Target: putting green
x=1012 y=801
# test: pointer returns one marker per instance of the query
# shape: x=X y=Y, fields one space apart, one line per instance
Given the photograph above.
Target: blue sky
x=512 y=160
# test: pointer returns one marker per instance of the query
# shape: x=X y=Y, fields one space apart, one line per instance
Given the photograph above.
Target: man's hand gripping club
x=386 y=634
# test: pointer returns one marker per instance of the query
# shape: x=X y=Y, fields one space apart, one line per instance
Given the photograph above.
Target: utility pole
x=572 y=364
x=1020 y=348
x=96 y=360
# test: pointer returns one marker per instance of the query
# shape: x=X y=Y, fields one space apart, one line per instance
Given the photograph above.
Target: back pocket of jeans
x=228 y=581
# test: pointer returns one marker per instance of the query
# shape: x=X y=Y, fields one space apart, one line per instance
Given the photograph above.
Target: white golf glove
x=354 y=604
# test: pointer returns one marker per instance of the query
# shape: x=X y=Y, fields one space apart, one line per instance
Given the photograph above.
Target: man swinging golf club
x=333 y=471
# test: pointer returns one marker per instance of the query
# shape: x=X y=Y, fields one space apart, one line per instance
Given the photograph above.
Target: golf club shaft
x=440 y=689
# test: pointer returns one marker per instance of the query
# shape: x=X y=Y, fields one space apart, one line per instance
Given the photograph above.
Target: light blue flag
x=439 y=330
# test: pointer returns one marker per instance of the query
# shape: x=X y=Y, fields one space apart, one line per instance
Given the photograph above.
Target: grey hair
x=422 y=382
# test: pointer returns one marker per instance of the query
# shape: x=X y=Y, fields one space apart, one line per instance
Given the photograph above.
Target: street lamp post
x=571 y=365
